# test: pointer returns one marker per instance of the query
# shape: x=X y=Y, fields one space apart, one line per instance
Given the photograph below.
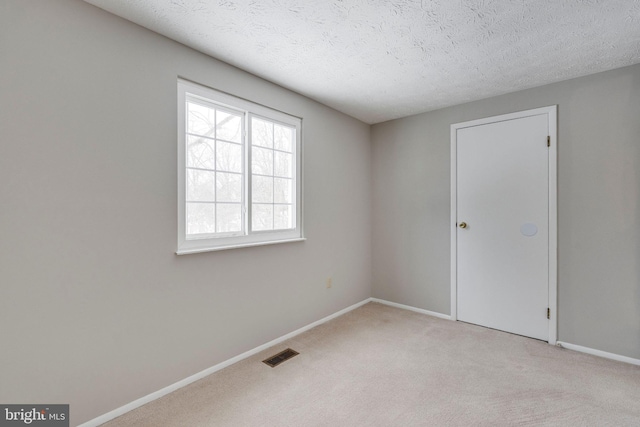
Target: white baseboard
x=410 y=308
x=193 y=378
x=562 y=344
x=600 y=353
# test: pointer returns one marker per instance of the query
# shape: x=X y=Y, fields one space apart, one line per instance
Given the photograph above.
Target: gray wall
x=96 y=310
x=598 y=198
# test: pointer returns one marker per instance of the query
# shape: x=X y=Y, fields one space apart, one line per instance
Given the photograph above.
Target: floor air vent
x=274 y=361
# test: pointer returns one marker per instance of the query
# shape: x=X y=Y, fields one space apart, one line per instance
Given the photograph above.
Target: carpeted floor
x=383 y=366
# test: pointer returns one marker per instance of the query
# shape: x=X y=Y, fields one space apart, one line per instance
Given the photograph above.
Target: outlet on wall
x=329 y=282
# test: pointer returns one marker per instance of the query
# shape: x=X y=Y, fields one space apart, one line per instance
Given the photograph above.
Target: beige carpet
x=382 y=366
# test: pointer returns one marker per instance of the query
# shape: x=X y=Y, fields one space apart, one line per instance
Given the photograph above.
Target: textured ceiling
x=378 y=60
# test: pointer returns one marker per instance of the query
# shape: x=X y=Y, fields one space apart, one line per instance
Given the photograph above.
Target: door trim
x=552 y=113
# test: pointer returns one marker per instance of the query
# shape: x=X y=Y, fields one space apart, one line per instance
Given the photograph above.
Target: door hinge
x=548 y=141
x=548 y=313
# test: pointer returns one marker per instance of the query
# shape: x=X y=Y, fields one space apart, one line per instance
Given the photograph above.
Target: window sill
x=241 y=245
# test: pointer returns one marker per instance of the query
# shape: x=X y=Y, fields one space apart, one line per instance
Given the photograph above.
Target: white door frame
x=551 y=112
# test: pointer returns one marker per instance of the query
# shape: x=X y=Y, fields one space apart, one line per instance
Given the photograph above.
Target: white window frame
x=187 y=89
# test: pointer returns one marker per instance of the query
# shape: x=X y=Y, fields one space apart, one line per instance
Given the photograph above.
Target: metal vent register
x=274 y=361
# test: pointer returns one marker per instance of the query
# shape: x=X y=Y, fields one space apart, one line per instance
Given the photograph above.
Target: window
x=239 y=179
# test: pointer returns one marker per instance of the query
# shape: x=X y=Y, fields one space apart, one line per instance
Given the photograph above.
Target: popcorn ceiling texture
x=378 y=60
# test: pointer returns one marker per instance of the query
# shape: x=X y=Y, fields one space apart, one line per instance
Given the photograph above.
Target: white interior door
x=502 y=224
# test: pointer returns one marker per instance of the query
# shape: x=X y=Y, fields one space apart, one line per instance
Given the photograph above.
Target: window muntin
x=239 y=172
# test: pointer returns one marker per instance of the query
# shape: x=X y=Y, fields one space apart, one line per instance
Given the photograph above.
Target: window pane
x=201 y=218
x=229 y=157
x=200 y=186
x=282 y=190
x=283 y=138
x=200 y=119
x=229 y=217
x=261 y=161
x=262 y=133
x=262 y=188
x=200 y=153
x=283 y=163
x=262 y=218
x=229 y=187
x=283 y=217
x=229 y=127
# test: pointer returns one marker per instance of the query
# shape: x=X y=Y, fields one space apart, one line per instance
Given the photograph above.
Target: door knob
x=463 y=225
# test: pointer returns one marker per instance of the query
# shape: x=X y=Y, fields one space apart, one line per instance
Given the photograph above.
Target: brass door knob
x=463 y=225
